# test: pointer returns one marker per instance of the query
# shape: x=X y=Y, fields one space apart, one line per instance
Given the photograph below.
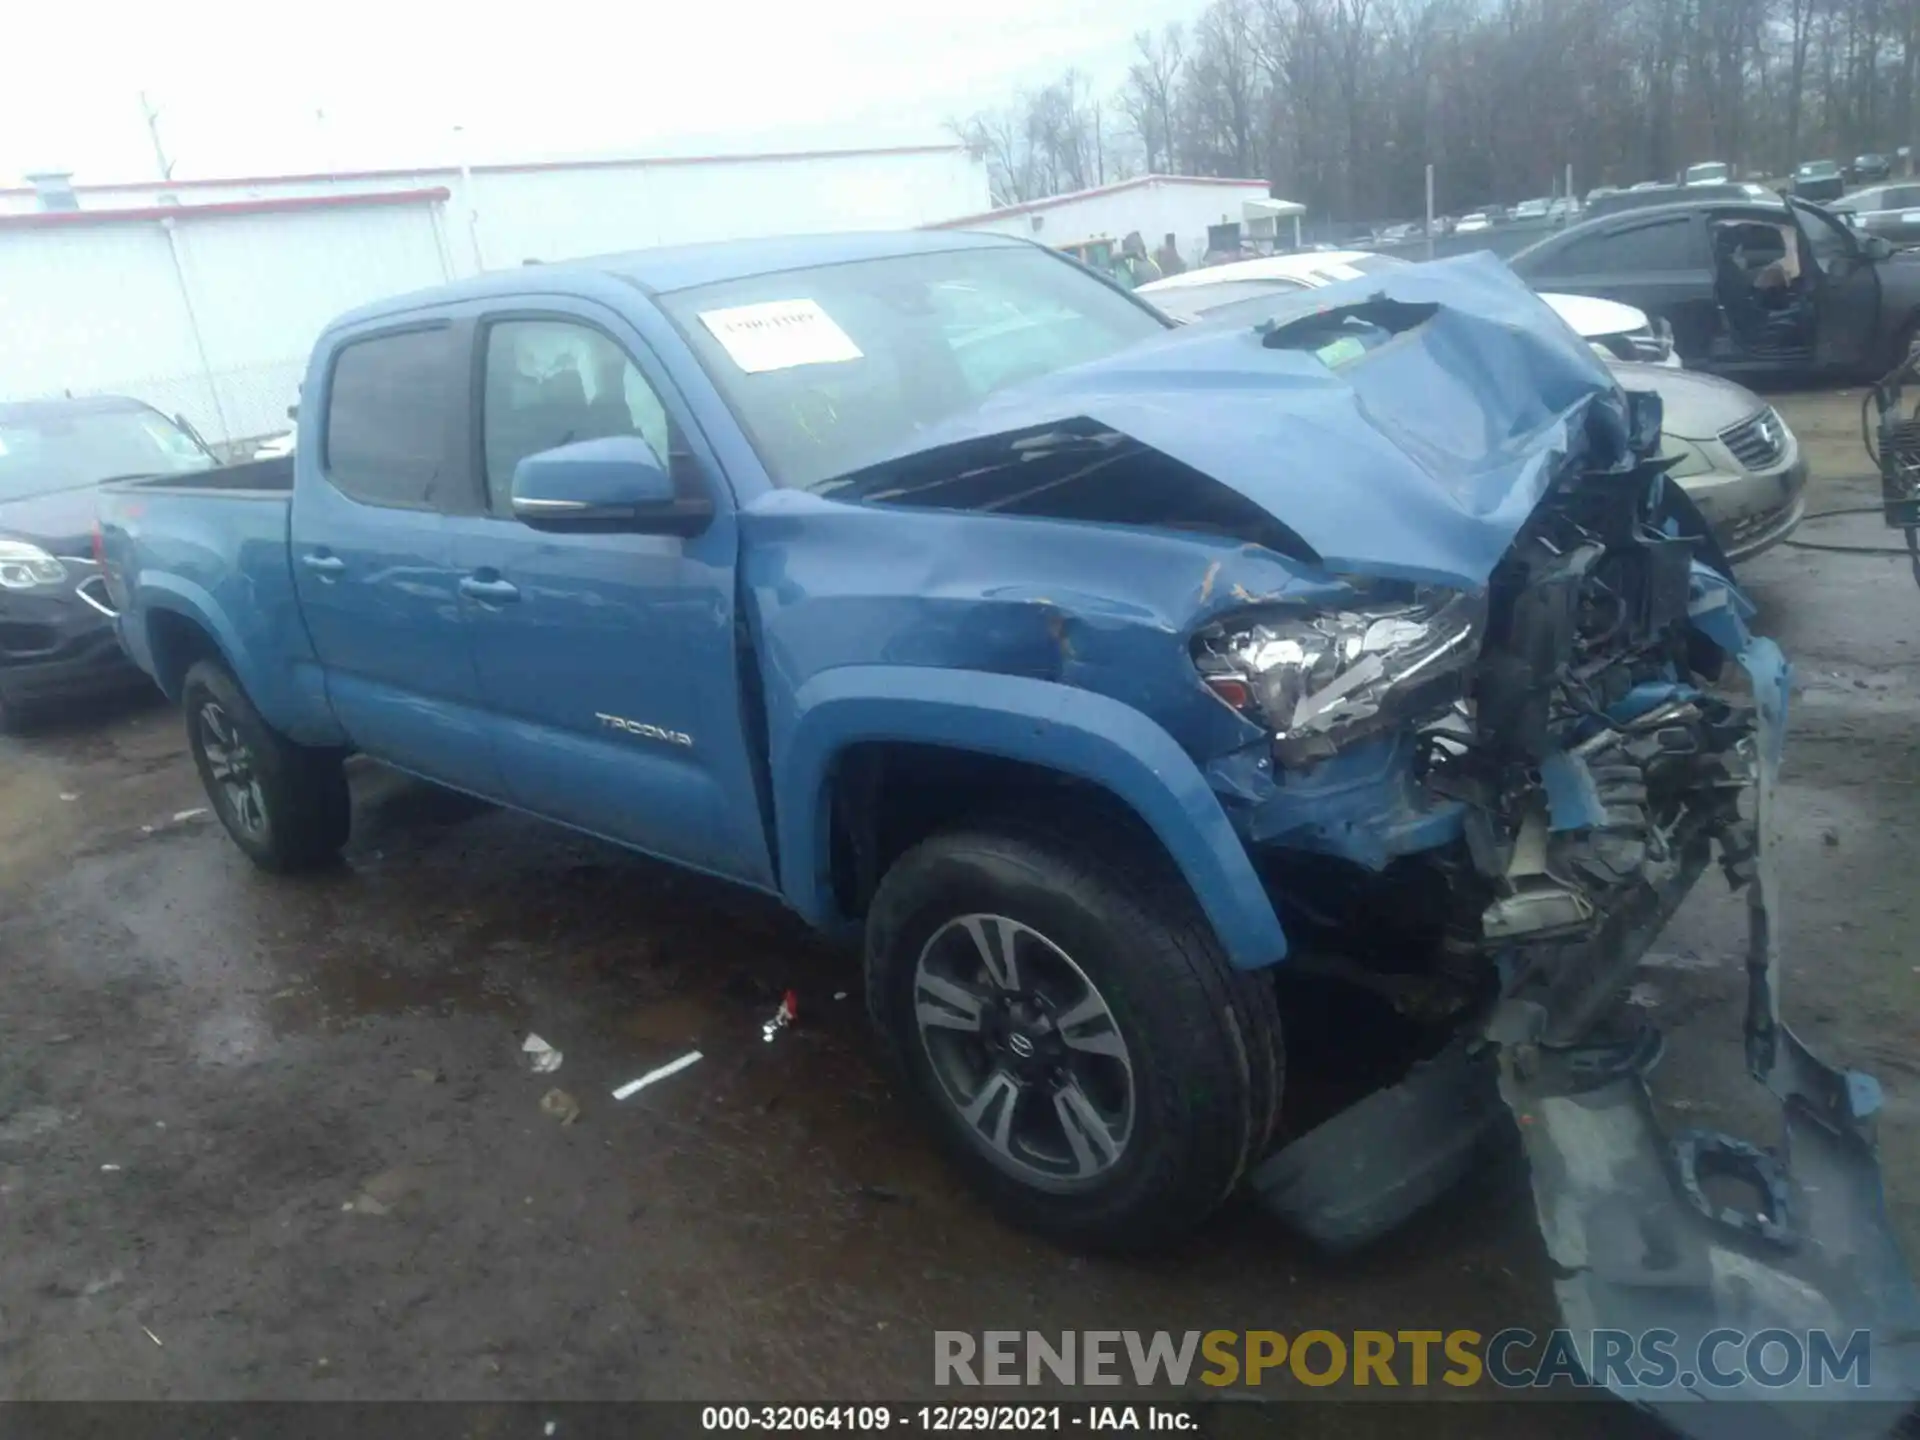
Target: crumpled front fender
x=1074 y=732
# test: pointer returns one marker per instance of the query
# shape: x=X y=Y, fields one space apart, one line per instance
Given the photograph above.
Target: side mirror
x=1877 y=247
x=617 y=484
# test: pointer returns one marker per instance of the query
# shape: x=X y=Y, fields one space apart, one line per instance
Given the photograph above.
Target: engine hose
x=1893 y=550
x=1906 y=552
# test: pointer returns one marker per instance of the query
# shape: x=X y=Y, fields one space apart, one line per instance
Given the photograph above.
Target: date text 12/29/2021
x=949 y=1419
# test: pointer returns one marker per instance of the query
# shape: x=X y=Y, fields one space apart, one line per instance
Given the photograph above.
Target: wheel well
x=886 y=797
x=177 y=645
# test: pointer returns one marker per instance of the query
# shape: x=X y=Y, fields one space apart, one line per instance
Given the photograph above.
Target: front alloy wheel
x=1069 y=1029
x=1025 y=1050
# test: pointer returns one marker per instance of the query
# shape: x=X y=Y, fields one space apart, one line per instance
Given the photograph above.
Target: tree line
x=1342 y=104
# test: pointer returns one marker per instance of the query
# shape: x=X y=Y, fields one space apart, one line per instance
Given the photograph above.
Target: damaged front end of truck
x=1496 y=707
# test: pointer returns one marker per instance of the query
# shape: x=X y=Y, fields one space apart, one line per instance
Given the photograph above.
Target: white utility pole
x=1429 y=210
x=468 y=201
x=153 y=133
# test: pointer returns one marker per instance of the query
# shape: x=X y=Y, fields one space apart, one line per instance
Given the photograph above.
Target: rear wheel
x=286 y=805
x=1073 y=1034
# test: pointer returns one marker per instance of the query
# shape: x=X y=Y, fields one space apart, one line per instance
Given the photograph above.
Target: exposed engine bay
x=1562 y=750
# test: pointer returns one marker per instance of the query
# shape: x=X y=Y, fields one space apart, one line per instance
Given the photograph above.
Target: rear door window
x=1659 y=245
x=390 y=419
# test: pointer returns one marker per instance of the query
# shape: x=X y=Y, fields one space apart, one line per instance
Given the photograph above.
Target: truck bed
x=273 y=475
x=208 y=553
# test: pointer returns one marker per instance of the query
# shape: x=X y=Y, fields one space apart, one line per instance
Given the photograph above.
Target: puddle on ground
x=678 y=1020
x=339 y=991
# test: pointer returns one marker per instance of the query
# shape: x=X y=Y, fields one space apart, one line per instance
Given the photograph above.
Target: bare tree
x=1147 y=98
x=1343 y=103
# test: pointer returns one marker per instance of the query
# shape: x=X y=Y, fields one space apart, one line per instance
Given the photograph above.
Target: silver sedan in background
x=1733 y=454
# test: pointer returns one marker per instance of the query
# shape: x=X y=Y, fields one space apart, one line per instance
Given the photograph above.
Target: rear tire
x=1130 y=1120
x=285 y=805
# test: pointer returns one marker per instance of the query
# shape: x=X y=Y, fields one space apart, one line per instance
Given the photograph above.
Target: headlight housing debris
x=1321 y=679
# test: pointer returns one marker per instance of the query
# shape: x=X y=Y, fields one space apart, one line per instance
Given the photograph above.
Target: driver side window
x=552 y=382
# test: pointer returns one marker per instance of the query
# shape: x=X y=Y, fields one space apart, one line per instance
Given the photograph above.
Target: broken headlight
x=1321 y=679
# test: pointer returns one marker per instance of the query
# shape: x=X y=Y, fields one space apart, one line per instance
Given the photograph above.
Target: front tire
x=285 y=805
x=1072 y=1033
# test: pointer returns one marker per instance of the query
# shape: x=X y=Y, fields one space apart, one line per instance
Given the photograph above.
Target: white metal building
x=1186 y=206
x=203 y=297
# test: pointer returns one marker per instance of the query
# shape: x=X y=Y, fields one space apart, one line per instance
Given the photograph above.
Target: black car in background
x=1750 y=287
x=57 y=639
x=1818 y=180
x=1870 y=169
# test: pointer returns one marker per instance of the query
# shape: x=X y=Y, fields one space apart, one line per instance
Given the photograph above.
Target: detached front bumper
x=1699 y=1241
x=1709 y=1237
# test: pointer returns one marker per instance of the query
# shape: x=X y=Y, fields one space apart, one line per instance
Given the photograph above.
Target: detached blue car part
x=1639 y=1223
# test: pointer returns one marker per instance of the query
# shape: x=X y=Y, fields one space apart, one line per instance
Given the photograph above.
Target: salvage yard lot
x=206 y=1076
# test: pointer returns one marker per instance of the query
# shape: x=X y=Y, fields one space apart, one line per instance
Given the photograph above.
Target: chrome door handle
x=326 y=565
x=490 y=592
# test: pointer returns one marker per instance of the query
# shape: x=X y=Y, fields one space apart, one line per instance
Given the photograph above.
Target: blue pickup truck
x=1099 y=675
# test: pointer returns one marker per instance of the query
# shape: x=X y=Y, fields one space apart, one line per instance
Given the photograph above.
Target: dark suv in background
x=56 y=624
x=1818 y=180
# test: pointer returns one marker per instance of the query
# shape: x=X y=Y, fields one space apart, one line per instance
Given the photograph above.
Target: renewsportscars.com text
x=1511 y=1359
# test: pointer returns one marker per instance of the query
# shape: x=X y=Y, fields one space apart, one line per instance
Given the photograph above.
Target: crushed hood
x=1419 y=460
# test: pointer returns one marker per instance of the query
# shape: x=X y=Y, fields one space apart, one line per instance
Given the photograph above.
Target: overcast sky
x=241 y=87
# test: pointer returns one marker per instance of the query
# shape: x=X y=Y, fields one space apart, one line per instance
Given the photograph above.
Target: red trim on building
x=524 y=167
x=1051 y=201
x=57 y=219
x=534 y=166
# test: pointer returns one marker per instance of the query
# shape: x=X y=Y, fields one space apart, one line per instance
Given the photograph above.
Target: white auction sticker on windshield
x=779 y=334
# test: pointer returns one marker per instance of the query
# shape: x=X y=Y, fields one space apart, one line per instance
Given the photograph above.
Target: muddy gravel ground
x=265 y=1138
